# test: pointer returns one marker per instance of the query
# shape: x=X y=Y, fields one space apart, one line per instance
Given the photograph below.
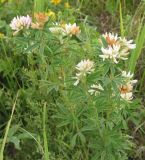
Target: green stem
x=46 y=153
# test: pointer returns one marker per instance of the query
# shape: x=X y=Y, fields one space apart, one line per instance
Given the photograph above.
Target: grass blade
x=39 y=5
x=137 y=52
x=46 y=153
x=121 y=20
x=7 y=129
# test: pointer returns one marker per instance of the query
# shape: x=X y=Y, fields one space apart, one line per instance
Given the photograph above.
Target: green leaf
x=16 y=142
x=111 y=6
x=2 y=24
x=73 y=140
x=82 y=138
x=13 y=130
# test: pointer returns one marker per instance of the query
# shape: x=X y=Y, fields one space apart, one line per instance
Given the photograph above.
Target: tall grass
x=121 y=20
x=7 y=129
x=140 y=40
x=39 y=5
x=139 y=30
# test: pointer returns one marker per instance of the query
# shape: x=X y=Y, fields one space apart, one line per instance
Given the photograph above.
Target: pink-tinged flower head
x=110 y=38
x=20 y=22
x=72 y=29
x=127 y=88
x=127 y=96
x=117 y=48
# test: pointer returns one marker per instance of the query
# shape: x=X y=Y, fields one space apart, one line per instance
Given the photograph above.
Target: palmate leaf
x=76 y=138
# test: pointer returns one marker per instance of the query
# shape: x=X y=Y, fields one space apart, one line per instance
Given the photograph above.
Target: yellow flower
x=67 y=5
x=1 y=35
x=51 y=14
x=55 y=2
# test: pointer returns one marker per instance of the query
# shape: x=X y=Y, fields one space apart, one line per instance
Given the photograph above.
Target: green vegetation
x=72 y=80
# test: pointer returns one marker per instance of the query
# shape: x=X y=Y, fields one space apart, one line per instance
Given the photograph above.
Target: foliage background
x=27 y=67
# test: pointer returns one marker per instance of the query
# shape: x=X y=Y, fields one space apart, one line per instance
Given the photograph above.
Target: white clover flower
x=127 y=96
x=84 y=67
x=129 y=76
x=112 y=52
x=95 y=89
x=117 y=48
x=127 y=44
x=20 y=22
x=123 y=53
x=72 y=29
x=126 y=90
x=111 y=38
x=57 y=29
x=67 y=29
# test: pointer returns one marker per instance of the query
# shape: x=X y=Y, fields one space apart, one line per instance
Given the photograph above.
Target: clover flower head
x=129 y=77
x=72 y=29
x=127 y=44
x=84 y=67
x=41 y=18
x=126 y=92
x=127 y=88
x=57 y=28
x=110 y=38
x=112 y=52
x=127 y=96
x=117 y=48
x=20 y=22
x=95 y=89
x=123 y=54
